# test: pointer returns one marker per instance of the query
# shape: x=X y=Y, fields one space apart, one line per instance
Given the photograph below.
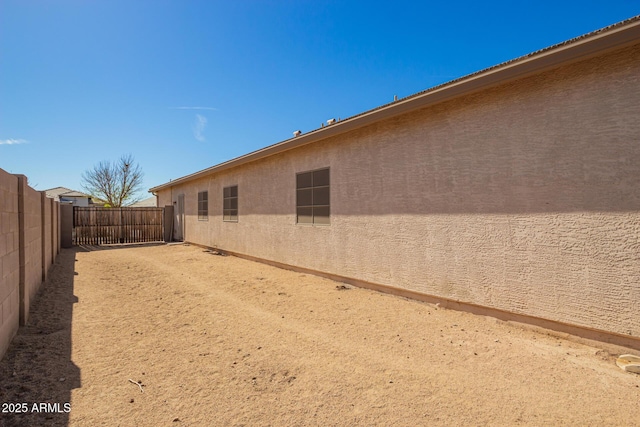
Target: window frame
x=313 y=197
x=203 y=205
x=230 y=211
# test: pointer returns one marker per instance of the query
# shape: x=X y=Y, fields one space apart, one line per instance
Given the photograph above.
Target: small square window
x=321 y=177
x=203 y=205
x=304 y=197
x=321 y=196
x=304 y=180
x=305 y=215
x=313 y=197
x=321 y=214
x=230 y=204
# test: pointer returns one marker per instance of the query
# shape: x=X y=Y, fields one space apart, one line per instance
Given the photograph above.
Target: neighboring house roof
x=151 y=202
x=58 y=192
x=622 y=34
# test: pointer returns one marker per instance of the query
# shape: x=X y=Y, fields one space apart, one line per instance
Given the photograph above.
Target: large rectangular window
x=230 y=203
x=203 y=205
x=312 y=197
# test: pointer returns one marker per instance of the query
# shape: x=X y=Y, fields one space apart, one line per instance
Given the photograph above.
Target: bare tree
x=114 y=183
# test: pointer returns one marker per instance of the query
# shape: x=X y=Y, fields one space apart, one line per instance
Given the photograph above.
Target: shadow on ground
x=37 y=373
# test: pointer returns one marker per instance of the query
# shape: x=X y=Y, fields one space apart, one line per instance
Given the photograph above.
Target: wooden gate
x=104 y=226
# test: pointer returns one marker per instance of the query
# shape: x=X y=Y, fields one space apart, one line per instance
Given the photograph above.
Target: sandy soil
x=217 y=340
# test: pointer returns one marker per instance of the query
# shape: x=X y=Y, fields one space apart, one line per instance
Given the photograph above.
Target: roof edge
x=616 y=36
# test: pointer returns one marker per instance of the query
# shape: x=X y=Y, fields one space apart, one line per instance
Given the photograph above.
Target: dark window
x=312 y=197
x=230 y=203
x=203 y=205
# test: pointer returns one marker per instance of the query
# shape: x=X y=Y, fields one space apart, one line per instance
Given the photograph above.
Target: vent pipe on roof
x=297 y=133
x=395 y=98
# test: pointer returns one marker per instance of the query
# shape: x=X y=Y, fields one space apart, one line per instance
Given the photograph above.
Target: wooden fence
x=104 y=226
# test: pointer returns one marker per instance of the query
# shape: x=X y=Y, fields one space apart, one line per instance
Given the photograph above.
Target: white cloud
x=12 y=141
x=199 y=126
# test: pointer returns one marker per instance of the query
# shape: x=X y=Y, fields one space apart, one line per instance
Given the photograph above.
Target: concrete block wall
x=9 y=260
x=29 y=243
x=30 y=210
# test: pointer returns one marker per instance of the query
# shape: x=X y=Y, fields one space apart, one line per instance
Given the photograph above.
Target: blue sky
x=183 y=85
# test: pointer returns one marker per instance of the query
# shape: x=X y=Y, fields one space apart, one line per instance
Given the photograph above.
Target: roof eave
x=601 y=41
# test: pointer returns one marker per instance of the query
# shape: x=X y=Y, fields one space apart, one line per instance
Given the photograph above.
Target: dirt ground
x=220 y=341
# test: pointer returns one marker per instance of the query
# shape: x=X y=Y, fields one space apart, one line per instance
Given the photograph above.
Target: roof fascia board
x=572 y=51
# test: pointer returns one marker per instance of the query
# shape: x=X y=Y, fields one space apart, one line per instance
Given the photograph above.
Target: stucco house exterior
x=512 y=192
x=66 y=195
x=150 y=202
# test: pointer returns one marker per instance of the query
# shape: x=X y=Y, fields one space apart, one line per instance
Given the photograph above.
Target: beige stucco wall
x=9 y=260
x=524 y=198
